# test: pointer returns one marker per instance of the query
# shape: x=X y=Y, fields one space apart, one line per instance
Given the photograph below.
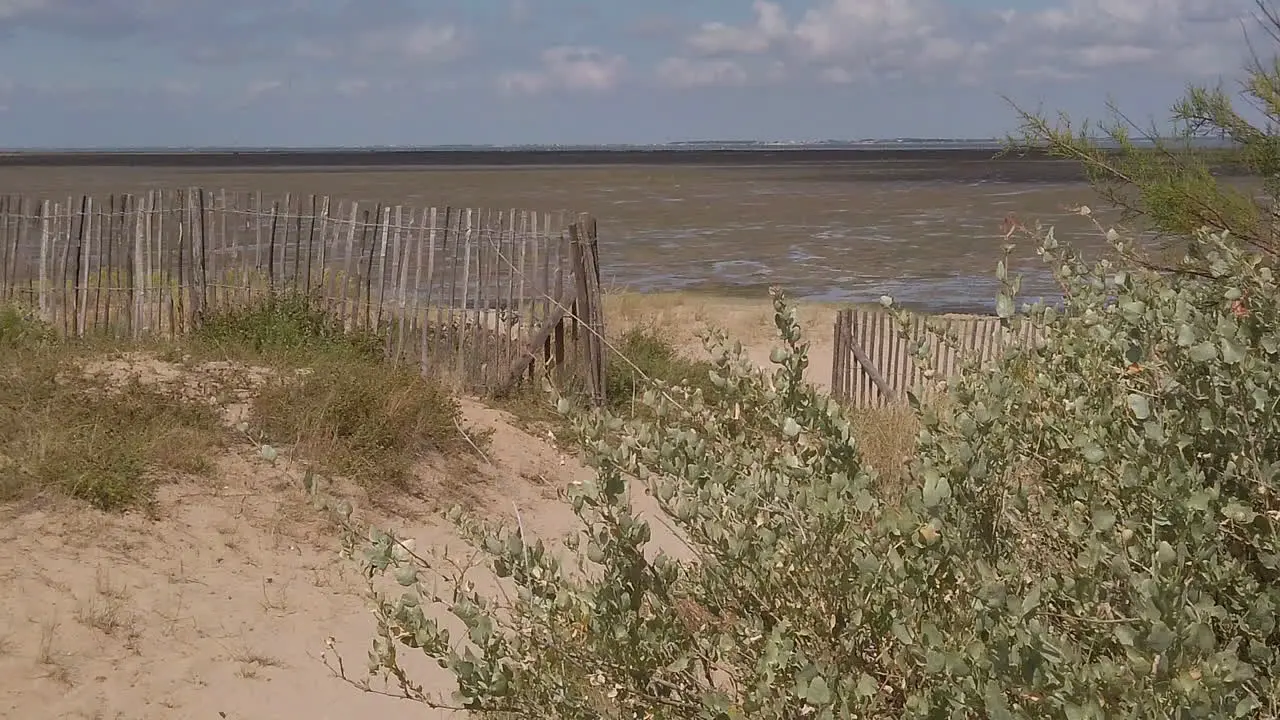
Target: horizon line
x=703 y=145
x=495 y=146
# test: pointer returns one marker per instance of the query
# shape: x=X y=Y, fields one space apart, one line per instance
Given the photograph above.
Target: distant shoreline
x=339 y=158
x=874 y=163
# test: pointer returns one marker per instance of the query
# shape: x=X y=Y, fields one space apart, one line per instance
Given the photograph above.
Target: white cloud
x=1197 y=37
x=840 y=28
x=257 y=88
x=1046 y=73
x=181 y=88
x=685 y=73
x=844 y=41
x=352 y=87
x=1099 y=56
x=769 y=28
x=416 y=43
x=837 y=75
x=572 y=68
x=432 y=41
x=847 y=40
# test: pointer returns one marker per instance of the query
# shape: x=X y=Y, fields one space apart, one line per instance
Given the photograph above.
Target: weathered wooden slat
x=155 y=264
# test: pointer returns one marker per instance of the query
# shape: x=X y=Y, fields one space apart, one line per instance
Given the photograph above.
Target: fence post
x=586 y=271
x=840 y=356
x=82 y=265
x=201 y=237
x=46 y=239
x=591 y=257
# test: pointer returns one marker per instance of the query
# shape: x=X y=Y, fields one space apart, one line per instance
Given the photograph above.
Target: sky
x=260 y=73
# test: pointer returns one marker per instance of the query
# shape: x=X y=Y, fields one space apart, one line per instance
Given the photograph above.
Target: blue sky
x=111 y=73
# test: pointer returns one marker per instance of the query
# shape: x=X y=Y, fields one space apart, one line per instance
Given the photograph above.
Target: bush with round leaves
x=1090 y=532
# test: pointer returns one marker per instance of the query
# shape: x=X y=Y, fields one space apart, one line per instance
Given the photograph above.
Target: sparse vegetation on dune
x=105 y=440
x=363 y=420
x=322 y=392
x=73 y=422
x=645 y=354
x=339 y=405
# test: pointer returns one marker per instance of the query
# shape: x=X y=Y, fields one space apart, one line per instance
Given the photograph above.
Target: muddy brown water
x=835 y=231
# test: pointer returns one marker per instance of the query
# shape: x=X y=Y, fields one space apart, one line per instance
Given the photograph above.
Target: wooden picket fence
x=485 y=296
x=872 y=364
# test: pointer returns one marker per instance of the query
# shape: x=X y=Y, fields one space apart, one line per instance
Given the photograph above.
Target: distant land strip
x=868 y=163
x=466 y=157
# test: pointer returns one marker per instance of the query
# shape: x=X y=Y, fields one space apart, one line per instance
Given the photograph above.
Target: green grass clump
x=335 y=398
x=364 y=419
x=642 y=354
x=110 y=441
x=20 y=328
x=652 y=355
x=285 y=326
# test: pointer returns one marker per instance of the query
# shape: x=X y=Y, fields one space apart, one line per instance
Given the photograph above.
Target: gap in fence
x=487 y=297
x=873 y=364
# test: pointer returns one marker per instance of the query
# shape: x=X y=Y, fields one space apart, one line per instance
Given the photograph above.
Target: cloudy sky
x=91 y=73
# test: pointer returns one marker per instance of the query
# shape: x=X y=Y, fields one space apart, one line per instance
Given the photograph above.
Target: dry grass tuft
x=886 y=438
x=364 y=420
x=104 y=442
x=335 y=399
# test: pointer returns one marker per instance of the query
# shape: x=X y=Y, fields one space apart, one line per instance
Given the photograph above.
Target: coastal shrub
x=1110 y=495
x=648 y=354
x=21 y=328
x=1089 y=531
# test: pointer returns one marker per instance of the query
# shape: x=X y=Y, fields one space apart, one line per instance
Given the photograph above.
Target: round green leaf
x=818 y=693
x=1140 y=406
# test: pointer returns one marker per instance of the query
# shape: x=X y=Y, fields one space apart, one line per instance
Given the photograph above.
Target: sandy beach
x=227 y=598
x=680 y=316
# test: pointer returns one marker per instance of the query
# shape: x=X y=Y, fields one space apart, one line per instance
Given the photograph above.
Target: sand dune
x=228 y=598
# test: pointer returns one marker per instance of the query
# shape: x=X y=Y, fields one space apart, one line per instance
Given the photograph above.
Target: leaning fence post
x=586 y=271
